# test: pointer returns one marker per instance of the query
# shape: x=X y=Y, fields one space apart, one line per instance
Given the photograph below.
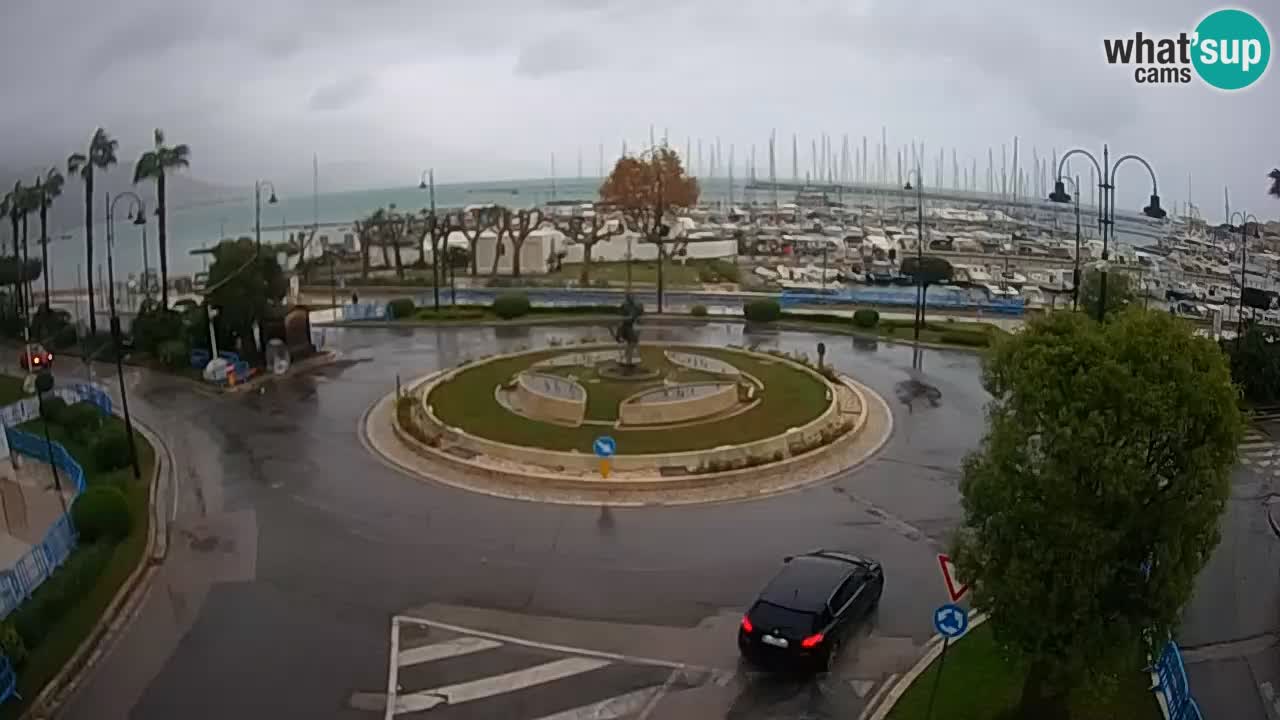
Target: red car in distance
x=34 y=358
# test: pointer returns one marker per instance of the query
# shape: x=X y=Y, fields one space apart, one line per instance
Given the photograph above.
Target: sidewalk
x=28 y=508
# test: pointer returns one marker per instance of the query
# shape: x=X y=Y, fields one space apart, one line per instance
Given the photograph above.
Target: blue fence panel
x=8 y=680
x=364 y=311
x=1171 y=682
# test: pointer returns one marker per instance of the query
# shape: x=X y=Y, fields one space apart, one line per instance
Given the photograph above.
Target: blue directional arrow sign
x=604 y=446
x=951 y=620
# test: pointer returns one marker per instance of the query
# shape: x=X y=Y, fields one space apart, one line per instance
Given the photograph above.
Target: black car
x=808 y=608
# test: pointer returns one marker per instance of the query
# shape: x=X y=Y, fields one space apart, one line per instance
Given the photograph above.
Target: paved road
x=294 y=549
x=1230 y=629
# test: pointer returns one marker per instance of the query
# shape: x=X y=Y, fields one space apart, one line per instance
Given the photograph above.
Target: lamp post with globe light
x=257 y=209
x=1106 y=211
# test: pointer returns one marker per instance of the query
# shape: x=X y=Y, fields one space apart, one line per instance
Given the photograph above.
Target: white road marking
x=653 y=701
x=494 y=685
x=610 y=709
x=393 y=670
x=879 y=697
x=442 y=650
x=1255 y=445
x=861 y=687
x=511 y=640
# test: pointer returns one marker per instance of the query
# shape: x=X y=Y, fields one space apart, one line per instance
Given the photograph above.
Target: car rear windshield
x=769 y=616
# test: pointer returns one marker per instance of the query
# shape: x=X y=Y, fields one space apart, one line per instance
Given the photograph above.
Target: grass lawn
x=604 y=396
x=11 y=389
x=65 y=635
x=963 y=333
x=694 y=272
x=980 y=682
x=791 y=398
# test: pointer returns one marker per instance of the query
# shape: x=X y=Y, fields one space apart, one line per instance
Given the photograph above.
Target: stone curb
x=934 y=649
x=128 y=598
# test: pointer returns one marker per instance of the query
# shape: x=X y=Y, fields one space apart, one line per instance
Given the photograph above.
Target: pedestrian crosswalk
x=443 y=674
x=1259 y=451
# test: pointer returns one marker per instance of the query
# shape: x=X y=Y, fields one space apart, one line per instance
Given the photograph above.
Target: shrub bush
x=111 y=448
x=60 y=593
x=971 y=338
x=54 y=409
x=511 y=305
x=174 y=354
x=82 y=420
x=11 y=644
x=762 y=310
x=154 y=325
x=698 y=311
x=401 y=308
x=101 y=513
x=866 y=318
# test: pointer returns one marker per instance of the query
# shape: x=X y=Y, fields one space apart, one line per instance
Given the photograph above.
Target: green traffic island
x=43 y=634
x=467 y=401
x=983 y=680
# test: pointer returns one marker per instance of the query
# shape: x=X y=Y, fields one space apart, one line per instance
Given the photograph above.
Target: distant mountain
x=68 y=211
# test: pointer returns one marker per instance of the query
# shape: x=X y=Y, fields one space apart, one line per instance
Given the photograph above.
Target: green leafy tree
x=1120 y=292
x=245 y=286
x=49 y=188
x=1255 y=364
x=1094 y=498
x=100 y=157
x=925 y=271
x=153 y=165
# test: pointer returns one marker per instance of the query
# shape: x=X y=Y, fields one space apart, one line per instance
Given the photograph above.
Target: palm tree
x=12 y=205
x=152 y=165
x=49 y=188
x=30 y=204
x=1275 y=182
x=102 y=155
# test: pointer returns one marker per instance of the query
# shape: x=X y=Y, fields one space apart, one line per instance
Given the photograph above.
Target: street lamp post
x=428 y=183
x=1075 y=272
x=257 y=209
x=919 y=246
x=1107 y=210
x=137 y=212
x=44 y=383
x=1245 y=219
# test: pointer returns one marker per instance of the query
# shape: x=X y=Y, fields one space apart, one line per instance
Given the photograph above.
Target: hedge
x=866 y=318
x=511 y=305
x=66 y=587
x=401 y=308
x=111 y=448
x=762 y=310
x=82 y=420
x=971 y=338
x=55 y=408
x=102 y=513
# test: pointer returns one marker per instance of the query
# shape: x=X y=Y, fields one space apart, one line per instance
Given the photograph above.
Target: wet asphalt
x=342 y=542
x=293 y=547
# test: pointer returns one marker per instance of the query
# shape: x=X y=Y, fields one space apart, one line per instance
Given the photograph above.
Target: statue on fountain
x=626 y=332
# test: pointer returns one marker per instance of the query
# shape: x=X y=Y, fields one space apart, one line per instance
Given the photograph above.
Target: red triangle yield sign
x=954 y=589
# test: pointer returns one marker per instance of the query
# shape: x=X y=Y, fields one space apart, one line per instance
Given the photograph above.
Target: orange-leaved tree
x=649 y=191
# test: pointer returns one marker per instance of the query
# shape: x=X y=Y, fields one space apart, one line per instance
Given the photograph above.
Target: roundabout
x=690 y=423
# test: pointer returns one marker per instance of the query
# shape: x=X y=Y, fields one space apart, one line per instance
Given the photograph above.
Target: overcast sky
x=486 y=89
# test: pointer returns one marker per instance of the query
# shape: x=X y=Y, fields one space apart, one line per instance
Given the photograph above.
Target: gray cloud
x=342 y=93
x=380 y=88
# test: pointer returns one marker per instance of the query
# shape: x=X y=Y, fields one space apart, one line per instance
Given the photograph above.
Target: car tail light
x=747 y=627
x=811 y=641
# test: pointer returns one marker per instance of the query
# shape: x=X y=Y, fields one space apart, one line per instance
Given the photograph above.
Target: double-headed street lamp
x=919 y=246
x=1245 y=219
x=1107 y=209
x=257 y=209
x=138 y=213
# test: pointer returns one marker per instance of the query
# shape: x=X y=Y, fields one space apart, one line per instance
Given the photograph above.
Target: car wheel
x=828 y=660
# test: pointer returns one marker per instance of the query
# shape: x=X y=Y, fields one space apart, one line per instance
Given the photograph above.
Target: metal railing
x=1171 y=684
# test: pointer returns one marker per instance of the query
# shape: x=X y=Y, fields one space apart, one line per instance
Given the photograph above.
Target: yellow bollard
x=604 y=469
